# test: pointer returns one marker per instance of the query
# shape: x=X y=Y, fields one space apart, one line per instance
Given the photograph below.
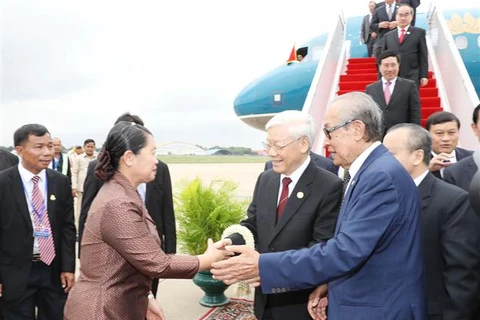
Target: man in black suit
x=294 y=206
x=410 y=43
x=397 y=97
x=7 y=159
x=450 y=229
x=383 y=20
x=37 y=231
x=366 y=35
x=319 y=160
x=444 y=127
x=156 y=194
x=461 y=173
x=60 y=161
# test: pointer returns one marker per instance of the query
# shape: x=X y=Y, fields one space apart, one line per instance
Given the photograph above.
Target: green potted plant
x=202 y=212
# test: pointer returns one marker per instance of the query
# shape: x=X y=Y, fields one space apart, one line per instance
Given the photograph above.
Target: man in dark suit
x=7 y=159
x=397 y=97
x=410 y=43
x=374 y=263
x=157 y=196
x=366 y=35
x=461 y=173
x=37 y=232
x=450 y=229
x=319 y=160
x=310 y=205
x=383 y=20
x=444 y=127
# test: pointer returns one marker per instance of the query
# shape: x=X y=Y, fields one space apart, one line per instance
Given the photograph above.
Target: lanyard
x=43 y=209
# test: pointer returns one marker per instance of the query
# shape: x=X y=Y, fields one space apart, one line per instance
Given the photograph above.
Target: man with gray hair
x=450 y=229
x=294 y=206
x=374 y=263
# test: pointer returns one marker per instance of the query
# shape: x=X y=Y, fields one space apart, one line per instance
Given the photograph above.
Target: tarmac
x=179 y=298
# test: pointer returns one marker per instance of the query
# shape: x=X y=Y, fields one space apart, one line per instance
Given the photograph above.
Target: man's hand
x=373 y=35
x=154 y=311
x=392 y=25
x=423 y=82
x=441 y=160
x=74 y=192
x=318 y=302
x=239 y=268
x=68 y=280
x=384 y=24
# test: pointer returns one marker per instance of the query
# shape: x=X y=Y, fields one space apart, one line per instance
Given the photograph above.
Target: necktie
x=386 y=91
x=47 y=248
x=390 y=12
x=402 y=35
x=283 y=196
x=346 y=180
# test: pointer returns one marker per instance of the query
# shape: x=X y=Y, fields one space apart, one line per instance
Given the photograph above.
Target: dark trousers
x=43 y=291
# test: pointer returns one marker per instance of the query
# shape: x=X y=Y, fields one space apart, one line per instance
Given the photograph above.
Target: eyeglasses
x=267 y=146
x=329 y=131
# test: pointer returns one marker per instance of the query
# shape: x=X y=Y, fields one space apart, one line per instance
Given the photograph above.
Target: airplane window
x=461 y=42
x=317 y=52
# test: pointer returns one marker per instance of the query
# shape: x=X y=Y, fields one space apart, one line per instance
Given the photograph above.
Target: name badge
x=41 y=232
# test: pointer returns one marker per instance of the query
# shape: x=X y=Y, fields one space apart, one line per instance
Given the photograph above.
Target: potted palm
x=205 y=211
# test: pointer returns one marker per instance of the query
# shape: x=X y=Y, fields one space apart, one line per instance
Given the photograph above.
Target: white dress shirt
x=392 y=84
x=295 y=176
x=357 y=163
x=28 y=188
x=420 y=178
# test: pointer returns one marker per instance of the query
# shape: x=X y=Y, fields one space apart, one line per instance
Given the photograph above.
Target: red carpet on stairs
x=363 y=71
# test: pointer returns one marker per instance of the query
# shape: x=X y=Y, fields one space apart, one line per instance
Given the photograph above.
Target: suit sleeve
x=124 y=229
x=90 y=190
x=168 y=216
x=68 y=229
x=448 y=177
x=414 y=104
x=423 y=55
x=251 y=221
x=375 y=22
x=75 y=171
x=327 y=217
x=459 y=246
x=376 y=206
x=363 y=32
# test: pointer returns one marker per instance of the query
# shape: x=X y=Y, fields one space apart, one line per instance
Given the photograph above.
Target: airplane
x=453 y=41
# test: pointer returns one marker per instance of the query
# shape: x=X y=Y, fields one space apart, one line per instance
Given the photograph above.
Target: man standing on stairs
x=367 y=36
x=397 y=97
x=383 y=20
x=444 y=127
x=410 y=43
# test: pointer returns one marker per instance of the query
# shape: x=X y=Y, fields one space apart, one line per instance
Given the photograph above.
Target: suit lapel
x=18 y=193
x=271 y=198
x=380 y=95
x=297 y=198
x=51 y=196
x=425 y=189
x=396 y=90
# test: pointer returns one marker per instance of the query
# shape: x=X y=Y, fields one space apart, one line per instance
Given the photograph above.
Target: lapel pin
x=52 y=197
x=408 y=32
x=300 y=195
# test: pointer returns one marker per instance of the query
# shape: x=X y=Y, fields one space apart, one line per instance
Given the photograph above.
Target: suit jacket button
x=273 y=290
x=284 y=290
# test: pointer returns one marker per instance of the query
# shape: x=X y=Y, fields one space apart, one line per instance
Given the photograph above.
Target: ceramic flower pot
x=214 y=289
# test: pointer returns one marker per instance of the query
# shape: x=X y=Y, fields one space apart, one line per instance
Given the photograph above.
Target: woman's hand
x=215 y=252
x=154 y=311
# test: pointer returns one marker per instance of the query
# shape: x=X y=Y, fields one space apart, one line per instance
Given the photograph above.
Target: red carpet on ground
x=236 y=309
x=363 y=71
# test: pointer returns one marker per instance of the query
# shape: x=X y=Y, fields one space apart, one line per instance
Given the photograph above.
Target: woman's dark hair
x=122 y=137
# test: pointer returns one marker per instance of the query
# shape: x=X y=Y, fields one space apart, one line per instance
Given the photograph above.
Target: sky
x=75 y=66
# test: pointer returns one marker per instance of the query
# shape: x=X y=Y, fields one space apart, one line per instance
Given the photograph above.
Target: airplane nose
x=284 y=88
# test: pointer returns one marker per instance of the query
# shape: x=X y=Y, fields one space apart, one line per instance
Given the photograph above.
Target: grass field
x=213 y=159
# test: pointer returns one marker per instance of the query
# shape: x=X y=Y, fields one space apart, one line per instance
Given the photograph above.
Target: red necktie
x=283 y=197
x=387 y=91
x=402 y=35
x=47 y=248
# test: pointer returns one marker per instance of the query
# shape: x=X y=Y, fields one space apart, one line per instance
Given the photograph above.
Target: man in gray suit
x=397 y=97
x=410 y=43
x=450 y=229
x=383 y=20
x=366 y=35
x=294 y=206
